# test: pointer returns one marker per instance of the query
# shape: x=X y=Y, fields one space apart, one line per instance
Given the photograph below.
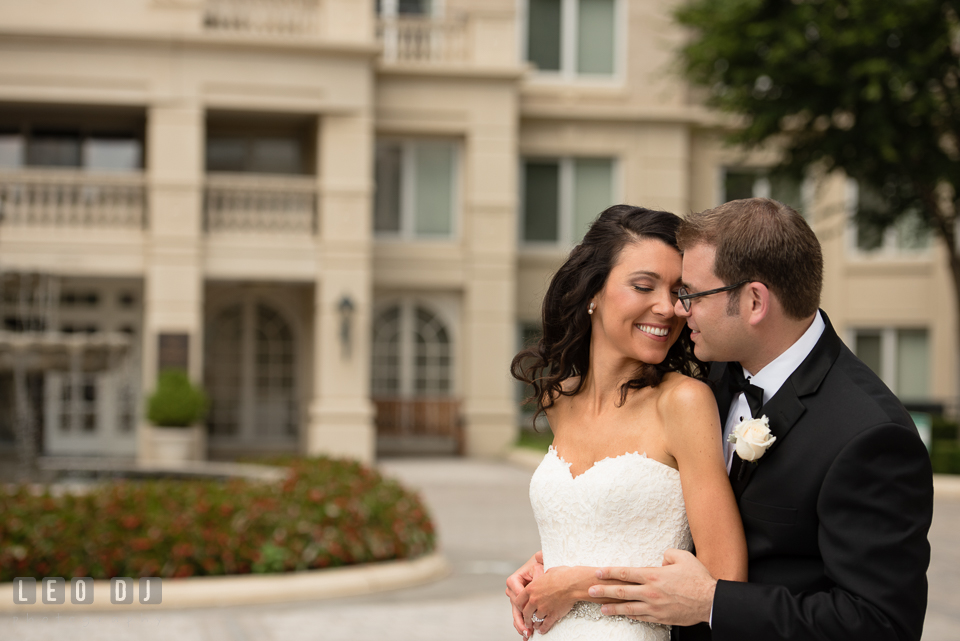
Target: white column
x=489 y=297
x=173 y=287
x=341 y=414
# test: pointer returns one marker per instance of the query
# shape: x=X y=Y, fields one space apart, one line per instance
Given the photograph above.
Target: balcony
x=422 y=39
x=51 y=198
x=266 y=17
x=419 y=425
x=272 y=204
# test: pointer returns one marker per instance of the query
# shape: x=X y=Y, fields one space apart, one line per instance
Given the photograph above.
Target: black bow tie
x=739 y=384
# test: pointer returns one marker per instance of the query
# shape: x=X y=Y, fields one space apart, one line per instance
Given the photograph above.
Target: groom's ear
x=758 y=302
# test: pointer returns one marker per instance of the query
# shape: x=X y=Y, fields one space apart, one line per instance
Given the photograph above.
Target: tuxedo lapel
x=786 y=406
x=717 y=380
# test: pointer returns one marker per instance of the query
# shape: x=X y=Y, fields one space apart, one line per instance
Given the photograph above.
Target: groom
x=836 y=511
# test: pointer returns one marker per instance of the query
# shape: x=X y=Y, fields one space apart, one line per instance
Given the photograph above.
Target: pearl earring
x=592 y=307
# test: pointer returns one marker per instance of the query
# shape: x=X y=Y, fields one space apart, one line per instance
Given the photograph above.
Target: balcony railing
x=49 y=198
x=280 y=204
x=402 y=423
x=268 y=17
x=423 y=39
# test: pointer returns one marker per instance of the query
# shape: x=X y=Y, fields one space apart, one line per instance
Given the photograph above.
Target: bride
x=636 y=467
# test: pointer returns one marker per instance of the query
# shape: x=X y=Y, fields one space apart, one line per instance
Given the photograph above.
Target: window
x=415 y=188
x=71 y=148
x=404 y=7
x=744 y=183
x=91 y=138
x=412 y=353
x=899 y=356
x=561 y=197
x=908 y=236
x=572 y=38
x=260 y=143
x=262 y=155
x=251 y=374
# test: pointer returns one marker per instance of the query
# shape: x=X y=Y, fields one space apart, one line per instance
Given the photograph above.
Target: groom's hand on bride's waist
x=679 y=593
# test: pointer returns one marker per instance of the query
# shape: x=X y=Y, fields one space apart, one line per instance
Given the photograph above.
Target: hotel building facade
x=340 y=216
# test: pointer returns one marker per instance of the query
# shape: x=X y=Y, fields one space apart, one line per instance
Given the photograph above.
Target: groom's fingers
x=629 y=575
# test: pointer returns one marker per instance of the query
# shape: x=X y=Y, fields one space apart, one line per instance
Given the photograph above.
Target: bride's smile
x=634 y=315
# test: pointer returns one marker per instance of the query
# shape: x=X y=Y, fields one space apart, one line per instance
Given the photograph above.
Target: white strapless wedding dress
x=623 y=511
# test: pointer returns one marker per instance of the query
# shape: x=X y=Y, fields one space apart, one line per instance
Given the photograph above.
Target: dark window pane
x=386 y=216
x=543 y=34
x=226 y=154
x=738 y=185
x=868 y=349
x=49 y=148
x=541 y=202
x=276 y=156
x=413 y=7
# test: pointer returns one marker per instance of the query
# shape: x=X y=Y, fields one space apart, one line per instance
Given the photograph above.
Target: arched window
x=251 y=374
x=412 y=352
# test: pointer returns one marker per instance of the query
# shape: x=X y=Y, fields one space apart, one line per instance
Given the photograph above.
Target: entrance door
x=412 y=382
x=250 y=376
x=95 y=413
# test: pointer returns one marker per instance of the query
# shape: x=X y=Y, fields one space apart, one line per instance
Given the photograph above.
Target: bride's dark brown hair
x=563 y=350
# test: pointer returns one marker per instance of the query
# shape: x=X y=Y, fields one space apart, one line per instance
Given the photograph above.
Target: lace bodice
x=623 y=511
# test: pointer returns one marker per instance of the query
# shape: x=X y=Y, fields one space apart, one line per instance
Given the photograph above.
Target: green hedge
x=328 y=513
x=944 y=429
x=945 y=456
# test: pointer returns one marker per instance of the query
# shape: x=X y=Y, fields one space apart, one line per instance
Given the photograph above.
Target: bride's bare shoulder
x=680 y=391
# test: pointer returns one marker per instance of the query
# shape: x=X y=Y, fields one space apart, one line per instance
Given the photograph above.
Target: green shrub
x=944 y=429
x=945 y=456
x=327 y=513
x=176 y=402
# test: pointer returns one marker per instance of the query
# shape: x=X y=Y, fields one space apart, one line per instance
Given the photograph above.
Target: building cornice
x=200 y=39
x=451 y=70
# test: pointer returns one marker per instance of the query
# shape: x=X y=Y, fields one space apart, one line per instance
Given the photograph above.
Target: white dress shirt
x=771 y=378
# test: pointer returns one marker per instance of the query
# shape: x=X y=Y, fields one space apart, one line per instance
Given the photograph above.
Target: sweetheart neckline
x=636 y=453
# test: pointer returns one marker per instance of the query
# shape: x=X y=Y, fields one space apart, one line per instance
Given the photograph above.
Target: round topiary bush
x=326 y=513
x=176 y=402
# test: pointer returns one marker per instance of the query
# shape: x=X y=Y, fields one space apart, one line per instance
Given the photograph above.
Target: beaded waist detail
x=590 y=610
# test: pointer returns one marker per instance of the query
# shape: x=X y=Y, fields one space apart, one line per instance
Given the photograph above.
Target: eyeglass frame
x=685 y=297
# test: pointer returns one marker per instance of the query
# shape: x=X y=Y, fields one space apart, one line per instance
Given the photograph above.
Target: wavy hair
x=563 y=350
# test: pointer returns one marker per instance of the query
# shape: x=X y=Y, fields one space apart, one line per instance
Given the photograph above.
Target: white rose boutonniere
x=752 y=438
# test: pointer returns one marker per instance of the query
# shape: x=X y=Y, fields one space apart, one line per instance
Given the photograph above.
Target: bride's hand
x=515 y=585
x=553 y=594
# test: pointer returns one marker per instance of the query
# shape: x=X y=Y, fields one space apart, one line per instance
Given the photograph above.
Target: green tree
x=865 y=86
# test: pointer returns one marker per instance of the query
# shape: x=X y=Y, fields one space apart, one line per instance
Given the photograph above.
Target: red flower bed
x=327 y=513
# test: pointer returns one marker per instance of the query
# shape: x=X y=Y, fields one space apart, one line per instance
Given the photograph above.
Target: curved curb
x=253 y=589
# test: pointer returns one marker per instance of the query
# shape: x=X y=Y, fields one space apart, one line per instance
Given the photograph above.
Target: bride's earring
x=591 y=307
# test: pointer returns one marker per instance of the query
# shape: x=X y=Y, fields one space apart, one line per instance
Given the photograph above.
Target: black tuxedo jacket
x=836 y=512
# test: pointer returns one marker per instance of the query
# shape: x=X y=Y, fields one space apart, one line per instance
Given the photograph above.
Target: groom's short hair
x=759 y=239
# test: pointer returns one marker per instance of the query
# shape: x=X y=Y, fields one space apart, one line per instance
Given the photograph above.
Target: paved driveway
x=486 y=528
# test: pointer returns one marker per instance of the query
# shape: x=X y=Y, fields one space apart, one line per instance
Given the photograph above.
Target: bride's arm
x=693 y=436
x=552 y=594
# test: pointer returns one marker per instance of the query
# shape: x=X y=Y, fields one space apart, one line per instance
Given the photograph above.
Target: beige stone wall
x=158 y=58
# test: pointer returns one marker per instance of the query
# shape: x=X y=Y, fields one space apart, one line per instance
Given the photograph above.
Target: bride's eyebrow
x=646 y=273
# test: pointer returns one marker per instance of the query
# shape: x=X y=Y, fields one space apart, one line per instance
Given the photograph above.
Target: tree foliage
x=866 y=86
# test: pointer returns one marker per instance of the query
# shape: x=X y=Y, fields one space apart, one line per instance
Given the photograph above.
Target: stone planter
x=172 y=446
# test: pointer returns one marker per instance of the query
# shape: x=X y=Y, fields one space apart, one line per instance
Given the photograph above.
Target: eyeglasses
x=685 y=296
